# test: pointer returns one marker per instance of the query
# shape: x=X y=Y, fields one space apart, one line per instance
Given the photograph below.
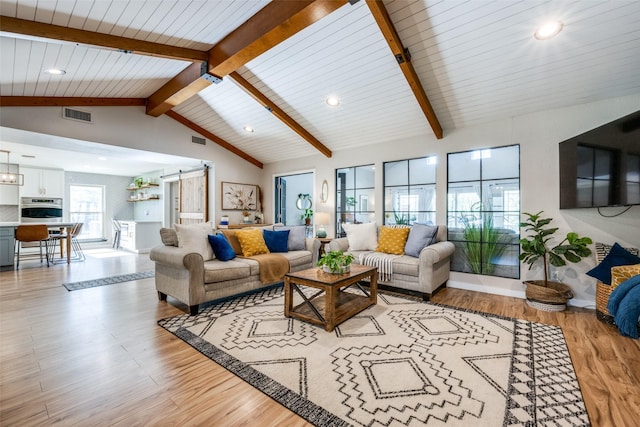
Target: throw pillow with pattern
x=392 y=240
x=252 y=242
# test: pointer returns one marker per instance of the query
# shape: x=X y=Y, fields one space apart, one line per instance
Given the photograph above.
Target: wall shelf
x=142 y=187
x=143 y=192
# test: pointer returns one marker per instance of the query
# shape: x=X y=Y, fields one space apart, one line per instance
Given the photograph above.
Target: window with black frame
x=483 y=211
x=410 y=191
x=355 y=196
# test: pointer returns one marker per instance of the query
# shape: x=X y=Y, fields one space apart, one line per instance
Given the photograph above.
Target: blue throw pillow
x=221 y=247
x=617 y=256
x=420 y=236
x=276 y=240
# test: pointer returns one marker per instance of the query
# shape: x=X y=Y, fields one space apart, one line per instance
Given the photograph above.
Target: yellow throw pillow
x=252 y=242
x=392 y=240
x=622 y=273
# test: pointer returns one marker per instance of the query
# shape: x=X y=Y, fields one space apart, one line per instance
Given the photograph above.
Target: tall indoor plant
x=538 y=246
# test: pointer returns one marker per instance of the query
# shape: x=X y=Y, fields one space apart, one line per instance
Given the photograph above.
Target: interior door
x=281 y=200
x=193 y=197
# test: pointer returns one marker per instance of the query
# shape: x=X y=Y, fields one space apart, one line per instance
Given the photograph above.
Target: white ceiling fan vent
x=198 y=140
x=78 y=115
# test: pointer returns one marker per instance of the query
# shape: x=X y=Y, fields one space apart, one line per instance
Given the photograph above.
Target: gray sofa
x=423 y=275
x=185 y=274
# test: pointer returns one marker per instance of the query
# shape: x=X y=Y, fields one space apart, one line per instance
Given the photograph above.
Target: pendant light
x=9 y=172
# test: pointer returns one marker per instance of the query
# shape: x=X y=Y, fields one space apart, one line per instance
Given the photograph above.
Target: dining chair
x=32 y=233
x=77 y=253
x=117 y=231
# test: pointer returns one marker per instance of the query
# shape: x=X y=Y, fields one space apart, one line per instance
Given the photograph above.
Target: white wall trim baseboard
x=456 y=284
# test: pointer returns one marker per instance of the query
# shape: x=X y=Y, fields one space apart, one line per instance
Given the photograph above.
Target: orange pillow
x=392 y=240
x=233 y=240
x=252 y=242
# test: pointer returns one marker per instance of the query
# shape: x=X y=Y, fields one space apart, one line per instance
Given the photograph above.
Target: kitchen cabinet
x=140 y=236
x=7 y=245
x=42 y=182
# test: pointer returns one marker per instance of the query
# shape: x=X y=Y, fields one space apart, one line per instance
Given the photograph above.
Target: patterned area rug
x=399 y=363
x=108 y=280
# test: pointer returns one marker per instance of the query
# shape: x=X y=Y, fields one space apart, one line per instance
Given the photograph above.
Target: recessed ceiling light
x=333 y=101
x=548 y=30
x=55 y=72
x=248 y=129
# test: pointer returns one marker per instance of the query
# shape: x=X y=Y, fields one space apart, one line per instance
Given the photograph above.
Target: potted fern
x=336 y=262
x=537 y=247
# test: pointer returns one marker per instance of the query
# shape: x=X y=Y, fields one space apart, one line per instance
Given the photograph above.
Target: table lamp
x=321 y=218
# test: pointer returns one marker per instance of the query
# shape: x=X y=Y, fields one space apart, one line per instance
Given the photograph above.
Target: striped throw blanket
x=384 y=263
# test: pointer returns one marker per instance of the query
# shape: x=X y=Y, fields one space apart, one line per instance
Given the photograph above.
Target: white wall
x=131 y=127
x=538 y=135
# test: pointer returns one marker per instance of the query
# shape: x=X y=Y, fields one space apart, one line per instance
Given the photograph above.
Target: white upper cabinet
x=42 y=182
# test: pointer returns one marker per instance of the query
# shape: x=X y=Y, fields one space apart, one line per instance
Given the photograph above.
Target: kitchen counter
x=139 y=236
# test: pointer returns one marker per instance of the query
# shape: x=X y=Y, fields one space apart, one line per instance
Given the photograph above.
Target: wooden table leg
x=69 y=245
x=288 y=296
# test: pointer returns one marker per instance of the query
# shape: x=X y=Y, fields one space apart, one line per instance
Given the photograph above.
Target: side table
x=323 y=242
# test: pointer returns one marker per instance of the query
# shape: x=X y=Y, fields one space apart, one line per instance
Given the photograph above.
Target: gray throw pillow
x=169 y=236
x=297 y=236
x=420 y=237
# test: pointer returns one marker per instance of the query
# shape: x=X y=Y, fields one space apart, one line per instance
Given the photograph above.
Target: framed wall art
x=239 y=197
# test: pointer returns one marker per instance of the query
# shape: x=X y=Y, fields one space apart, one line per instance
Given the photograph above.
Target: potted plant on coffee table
x=335 y=262
x=537 y=246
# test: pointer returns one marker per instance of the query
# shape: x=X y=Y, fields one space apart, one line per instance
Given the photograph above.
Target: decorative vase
x=246 y=220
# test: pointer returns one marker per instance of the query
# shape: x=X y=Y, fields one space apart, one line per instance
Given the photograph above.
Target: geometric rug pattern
x=401 y=362
x=74 y=286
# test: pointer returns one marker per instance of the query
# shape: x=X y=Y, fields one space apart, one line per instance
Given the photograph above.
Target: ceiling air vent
x=78 y=115
x=198 y=140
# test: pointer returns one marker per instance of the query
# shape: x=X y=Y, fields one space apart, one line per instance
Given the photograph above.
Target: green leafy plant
x=307 y=214
x=336 y=261
x=400 y=219
x=537 y=245
x=482 y=244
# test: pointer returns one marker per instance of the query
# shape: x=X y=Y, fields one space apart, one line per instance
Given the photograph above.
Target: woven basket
x=553 y=293
x=603 y=291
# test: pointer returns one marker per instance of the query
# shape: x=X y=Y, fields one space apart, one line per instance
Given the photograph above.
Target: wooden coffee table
x=335 y=306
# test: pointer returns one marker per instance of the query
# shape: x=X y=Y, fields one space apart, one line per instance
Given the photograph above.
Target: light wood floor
x=97 y=357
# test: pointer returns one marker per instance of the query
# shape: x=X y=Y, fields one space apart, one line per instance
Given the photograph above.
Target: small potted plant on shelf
x=537 y=247
x=335 y=262
x=306 y=216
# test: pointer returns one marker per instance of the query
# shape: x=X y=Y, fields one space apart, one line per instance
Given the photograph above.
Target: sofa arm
x=339 y=244
x=174 y=256
x=437 y=252
x=312 y=245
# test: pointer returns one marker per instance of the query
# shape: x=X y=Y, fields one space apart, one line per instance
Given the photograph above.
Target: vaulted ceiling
x=465 y=63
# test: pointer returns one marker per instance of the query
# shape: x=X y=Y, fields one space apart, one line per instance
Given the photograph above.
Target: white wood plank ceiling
x=477 y=61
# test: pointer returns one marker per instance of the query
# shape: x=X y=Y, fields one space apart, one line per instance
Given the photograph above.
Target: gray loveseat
x=423 y=275
x=193 y=275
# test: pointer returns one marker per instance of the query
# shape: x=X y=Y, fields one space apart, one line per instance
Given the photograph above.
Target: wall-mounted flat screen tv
x=601 y=167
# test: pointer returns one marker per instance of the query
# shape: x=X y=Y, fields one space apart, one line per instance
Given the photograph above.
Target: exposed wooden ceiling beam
x=73 y=35
x=221 y=142
x=272 y=25
x=279 y=113
x=60 y=101
x=177 y=90
x=380 y=14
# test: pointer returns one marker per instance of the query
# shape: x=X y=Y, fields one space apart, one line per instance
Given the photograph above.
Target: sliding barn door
x=193 y=197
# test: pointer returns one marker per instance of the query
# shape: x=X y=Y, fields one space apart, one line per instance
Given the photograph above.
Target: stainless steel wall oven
x=44 y=210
